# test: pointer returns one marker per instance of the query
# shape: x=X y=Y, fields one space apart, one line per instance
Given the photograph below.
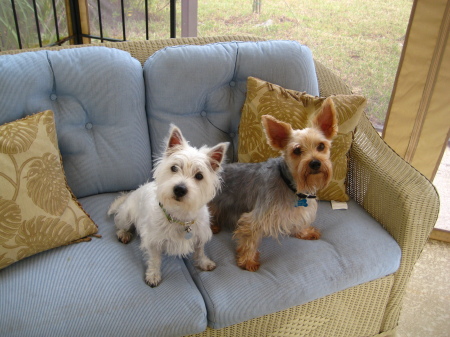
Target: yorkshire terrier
x=170 y=213
x=277 y=197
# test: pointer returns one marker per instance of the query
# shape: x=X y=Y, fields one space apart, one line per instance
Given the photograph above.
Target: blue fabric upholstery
x=97 y=95
x=202 y=89
x=353 y=249
x=98 y=289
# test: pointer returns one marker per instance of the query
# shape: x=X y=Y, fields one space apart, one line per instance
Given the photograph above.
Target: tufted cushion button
x=53 y=97
x=203 y=113
x=88 y=126
x=232 y=83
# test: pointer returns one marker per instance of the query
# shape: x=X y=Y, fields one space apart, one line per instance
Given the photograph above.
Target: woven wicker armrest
x=398 y=196
x=403 y=200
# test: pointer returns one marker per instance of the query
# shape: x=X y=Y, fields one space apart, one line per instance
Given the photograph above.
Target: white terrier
x=170 y=213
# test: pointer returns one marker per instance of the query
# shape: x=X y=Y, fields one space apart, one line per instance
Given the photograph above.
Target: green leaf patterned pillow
x=37 y=209
x=293 y=107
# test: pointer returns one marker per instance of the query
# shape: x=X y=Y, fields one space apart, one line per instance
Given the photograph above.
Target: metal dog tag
x=188 y=234
x=301 y=202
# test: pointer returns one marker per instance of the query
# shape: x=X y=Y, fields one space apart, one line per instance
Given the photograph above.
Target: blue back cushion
x=202 y=89
x=97 y=95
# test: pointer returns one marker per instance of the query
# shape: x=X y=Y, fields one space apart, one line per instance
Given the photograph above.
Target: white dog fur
x=170 y=213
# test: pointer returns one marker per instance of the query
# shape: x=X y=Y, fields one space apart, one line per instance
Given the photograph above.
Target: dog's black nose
x=180 y=190
x=315 y=164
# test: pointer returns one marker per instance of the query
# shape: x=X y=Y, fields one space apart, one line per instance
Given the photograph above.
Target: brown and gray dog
x=277 y=196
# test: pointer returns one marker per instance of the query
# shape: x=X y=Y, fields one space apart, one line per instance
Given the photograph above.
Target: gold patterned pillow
x=37 y=209
x=293 y=107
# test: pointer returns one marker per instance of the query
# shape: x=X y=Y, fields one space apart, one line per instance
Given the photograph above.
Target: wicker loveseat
x=392 y=192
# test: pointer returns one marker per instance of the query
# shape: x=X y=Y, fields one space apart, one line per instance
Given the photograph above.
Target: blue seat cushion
x=98 y=289
x=353 y=249
x=202 y=89
x=98 y=97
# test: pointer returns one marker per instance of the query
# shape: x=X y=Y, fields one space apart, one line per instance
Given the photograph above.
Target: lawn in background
x=360 y=40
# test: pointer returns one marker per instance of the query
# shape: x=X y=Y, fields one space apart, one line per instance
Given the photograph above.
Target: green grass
x=360 y=40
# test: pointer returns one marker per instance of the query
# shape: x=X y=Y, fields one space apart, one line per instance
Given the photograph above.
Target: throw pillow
x=37 y=209
x=295 y=108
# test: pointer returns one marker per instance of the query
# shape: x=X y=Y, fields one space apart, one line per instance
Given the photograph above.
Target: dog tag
x=301 y=202
x=188 y=234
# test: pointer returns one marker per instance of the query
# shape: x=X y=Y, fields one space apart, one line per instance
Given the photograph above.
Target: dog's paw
x=152 y=280
x=250 y=264
x=124 y=236
x=206 y=265
x=309 y=233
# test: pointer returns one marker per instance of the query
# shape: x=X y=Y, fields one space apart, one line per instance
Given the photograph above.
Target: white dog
x=170 y=213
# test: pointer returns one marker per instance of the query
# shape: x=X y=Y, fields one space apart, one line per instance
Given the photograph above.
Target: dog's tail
x=114 y=208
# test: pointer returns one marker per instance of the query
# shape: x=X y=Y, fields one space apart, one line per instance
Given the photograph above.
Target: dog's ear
x=326 y=119
x=278 y=133
x=175 y=138
x=217 y=155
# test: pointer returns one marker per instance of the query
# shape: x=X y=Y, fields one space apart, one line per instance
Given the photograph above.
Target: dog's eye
x=297 y=151
x=199 y=176
x=174 y=168
x=321 y=147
